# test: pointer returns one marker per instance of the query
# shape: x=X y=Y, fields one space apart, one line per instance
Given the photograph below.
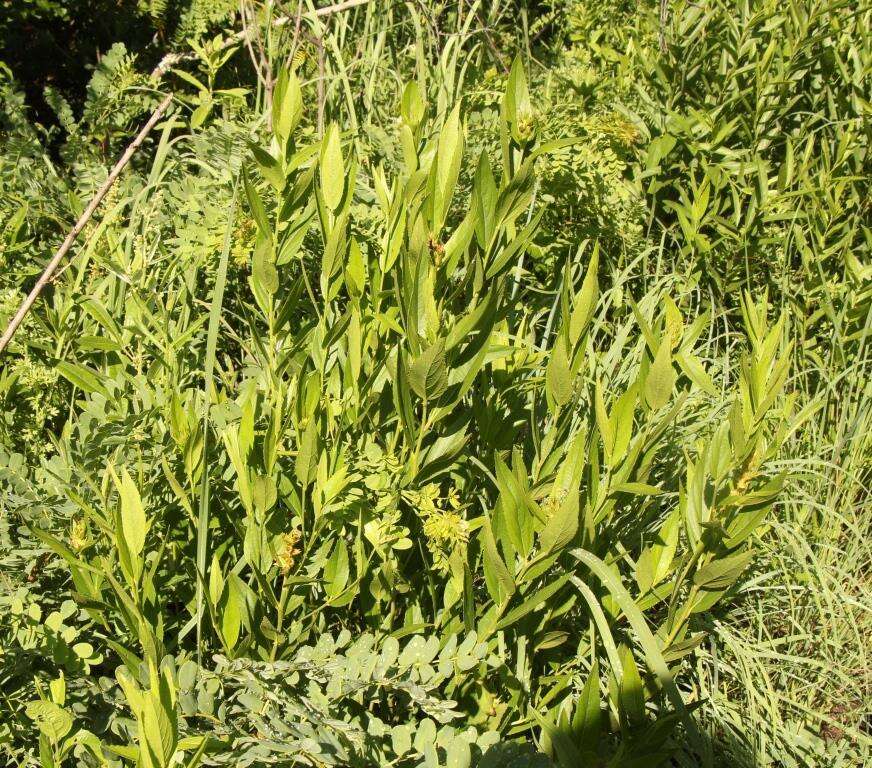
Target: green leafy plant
x=428 y=419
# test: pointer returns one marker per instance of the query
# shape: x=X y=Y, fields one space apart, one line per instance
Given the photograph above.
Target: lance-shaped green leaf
x=264 y=275
x=307 y=453
x=86 y=379
x=558 y=376
x=355 y=270
x=160 y=722
x=500 y=584
x=336 y=571
x=332 y=168
x=534 y=601
x=287 y=106
x=562 y=526
x=584 y=303
x=721 y=573
x=134 y=523
x=412 y=105
x=269 y=167
x=587 y=719
x=650 y=647
x=232 y=607
x=632 y=694
x=445 y=170
x=516 y=109
x=255 y=203
x=484 y=200
x=661 y=378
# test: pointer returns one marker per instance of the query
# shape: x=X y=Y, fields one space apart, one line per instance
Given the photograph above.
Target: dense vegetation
x=441 y=384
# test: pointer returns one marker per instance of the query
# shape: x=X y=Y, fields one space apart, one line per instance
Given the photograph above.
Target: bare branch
x=83 y=219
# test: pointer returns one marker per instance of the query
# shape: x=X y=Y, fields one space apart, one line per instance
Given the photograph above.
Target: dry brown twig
x=171 y=59
x=83 y=219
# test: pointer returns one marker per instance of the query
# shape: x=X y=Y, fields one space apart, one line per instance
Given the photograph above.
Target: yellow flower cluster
x=288 y=550
x=242 y=242
x=445 y=528
x=78 y=534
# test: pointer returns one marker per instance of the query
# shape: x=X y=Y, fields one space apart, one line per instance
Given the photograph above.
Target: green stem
x=280 y=616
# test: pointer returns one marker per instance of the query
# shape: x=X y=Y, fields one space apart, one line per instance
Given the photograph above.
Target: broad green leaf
x=263 y=493
x=516 y=109
x=84 y=378
x=54 y=721
x=621 y=420
x=159 y=721
x=449 y=154
x=231 y=611
x=263 y=271
x=307 y=453
x=457 y=753
x=355 y=270
x=562 y=526
x=514 y=524
x=721 y=573
x=428 y=373
x=663 y=551
x=199 y=115
x=484 y=196
x=336 y=571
